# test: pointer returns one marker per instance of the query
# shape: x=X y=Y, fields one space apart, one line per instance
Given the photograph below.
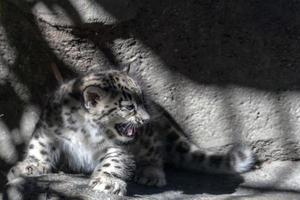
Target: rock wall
x=226 y=71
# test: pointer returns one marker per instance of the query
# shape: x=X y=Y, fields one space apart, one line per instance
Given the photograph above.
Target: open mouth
x=126 y=129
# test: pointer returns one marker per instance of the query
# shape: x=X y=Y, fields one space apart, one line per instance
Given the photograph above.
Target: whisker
x=127 y=126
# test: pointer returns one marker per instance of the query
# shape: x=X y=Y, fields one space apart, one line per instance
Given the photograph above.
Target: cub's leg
x=42 y=153
x=150 y=163
x=151 y=174
x=114 y=168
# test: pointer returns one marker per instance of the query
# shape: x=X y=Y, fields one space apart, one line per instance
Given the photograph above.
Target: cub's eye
x=129 y=107
x=126 y=105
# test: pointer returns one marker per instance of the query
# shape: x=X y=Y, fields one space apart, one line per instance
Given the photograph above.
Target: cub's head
x=114 y=101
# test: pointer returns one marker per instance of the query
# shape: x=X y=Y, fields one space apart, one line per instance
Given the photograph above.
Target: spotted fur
x=98 y=124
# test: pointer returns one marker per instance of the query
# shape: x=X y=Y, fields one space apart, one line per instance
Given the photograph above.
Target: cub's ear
x=126 y=69
x=92 y=95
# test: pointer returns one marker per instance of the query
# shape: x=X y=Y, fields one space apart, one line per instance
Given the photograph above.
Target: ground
x=261 y=184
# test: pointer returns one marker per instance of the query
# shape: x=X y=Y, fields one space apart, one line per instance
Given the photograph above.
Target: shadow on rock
x=191 y=183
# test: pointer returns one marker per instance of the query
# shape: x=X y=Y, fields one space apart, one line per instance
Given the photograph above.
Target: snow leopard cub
x=99 y=125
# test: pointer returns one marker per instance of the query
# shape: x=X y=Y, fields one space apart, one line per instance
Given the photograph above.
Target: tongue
x=130 y=132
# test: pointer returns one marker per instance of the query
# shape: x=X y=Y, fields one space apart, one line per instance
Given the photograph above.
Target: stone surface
x=270 y=182
x=74 y=13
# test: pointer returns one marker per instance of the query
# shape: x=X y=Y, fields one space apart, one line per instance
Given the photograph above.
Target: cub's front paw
x=151 y=176
x=27 y=168
x=109 y=185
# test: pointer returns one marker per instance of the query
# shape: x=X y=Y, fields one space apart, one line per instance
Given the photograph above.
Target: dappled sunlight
x=275 y=176
x=8 y=152
x=55 y=11
x=28 y=121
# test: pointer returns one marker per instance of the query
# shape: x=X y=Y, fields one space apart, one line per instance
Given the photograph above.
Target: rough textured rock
x=226 y=71
x=79 y=13
x=259 y=185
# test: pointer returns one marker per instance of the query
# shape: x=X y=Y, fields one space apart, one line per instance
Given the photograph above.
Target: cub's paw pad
x=26 y=168
x=151 y=176
x=109 y=185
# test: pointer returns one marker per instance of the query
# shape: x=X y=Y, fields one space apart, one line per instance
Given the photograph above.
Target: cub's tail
x=184 y=154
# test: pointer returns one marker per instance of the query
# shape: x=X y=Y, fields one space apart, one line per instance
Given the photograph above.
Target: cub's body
x=98 y=124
